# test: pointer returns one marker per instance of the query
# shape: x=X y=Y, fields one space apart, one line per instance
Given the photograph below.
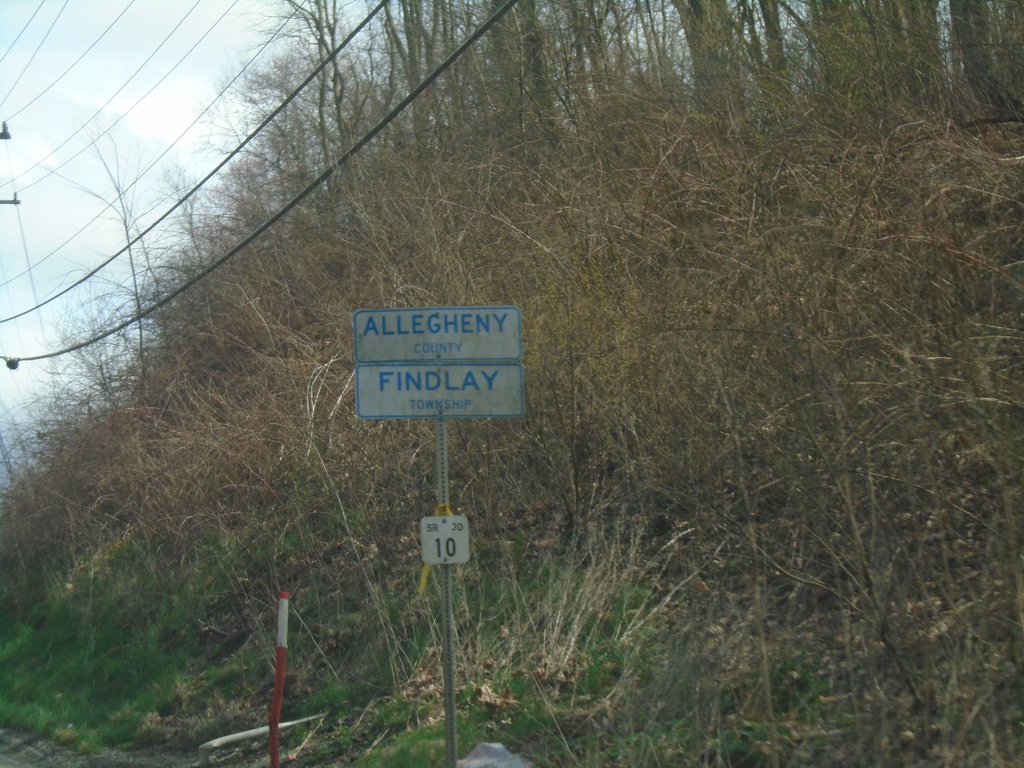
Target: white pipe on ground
x=205 y=750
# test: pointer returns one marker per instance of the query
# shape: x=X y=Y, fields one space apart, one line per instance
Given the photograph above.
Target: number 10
x=450 y=547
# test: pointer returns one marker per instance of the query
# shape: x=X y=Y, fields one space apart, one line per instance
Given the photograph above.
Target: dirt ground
x=19 y=750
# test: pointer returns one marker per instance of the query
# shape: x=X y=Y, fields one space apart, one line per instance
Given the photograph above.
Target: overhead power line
x=288 y=100
x=138 y=101
x=35 y=52
x=105 y=104
x=270 y=41
x=24 y=241
x=12 y=362
x=74 y=63
x=28 y=23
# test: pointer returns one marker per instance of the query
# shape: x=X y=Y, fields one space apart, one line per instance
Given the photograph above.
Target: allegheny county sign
x=434 y=334
x=448 y=390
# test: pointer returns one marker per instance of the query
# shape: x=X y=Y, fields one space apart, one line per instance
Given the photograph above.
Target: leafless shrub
x=775 y=346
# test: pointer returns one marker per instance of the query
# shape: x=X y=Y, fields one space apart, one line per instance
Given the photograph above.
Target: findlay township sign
x=429 y=334
x=451 y=390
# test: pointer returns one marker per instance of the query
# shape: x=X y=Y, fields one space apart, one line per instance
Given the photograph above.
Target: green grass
x=412 y=749
x=98 y=684
x=78 y=670
x=100 y=658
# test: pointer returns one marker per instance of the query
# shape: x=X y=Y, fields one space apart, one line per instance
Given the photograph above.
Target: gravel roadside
x=22 y=750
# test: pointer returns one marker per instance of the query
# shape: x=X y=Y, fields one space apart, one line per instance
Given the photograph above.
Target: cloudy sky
x=90 y=89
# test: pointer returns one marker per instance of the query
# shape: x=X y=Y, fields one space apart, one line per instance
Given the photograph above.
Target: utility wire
x=75 y=62
x=12 y=362
x=36 y=51
x=270 y=41
x=17 y=330
x=138 y=101
x=107 y=102
x=288 y=100
x=24 y=242
x=22 y=32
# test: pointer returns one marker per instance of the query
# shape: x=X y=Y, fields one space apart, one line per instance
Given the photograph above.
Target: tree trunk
x=706 y=27
x=972 y=39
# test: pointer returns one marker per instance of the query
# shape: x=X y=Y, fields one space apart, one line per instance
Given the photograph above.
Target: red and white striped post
x=279 y=664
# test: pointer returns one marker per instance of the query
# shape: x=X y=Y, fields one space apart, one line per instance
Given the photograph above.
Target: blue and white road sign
x=446 y=390
x=429 y=334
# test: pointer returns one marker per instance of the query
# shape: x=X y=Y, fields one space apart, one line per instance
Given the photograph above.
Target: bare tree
x=972 y=34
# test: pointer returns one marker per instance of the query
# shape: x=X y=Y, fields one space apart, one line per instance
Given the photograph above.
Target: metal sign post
x=440 y=363
x=447 y=610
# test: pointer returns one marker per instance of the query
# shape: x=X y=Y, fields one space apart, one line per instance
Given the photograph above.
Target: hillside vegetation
x=765 y=506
